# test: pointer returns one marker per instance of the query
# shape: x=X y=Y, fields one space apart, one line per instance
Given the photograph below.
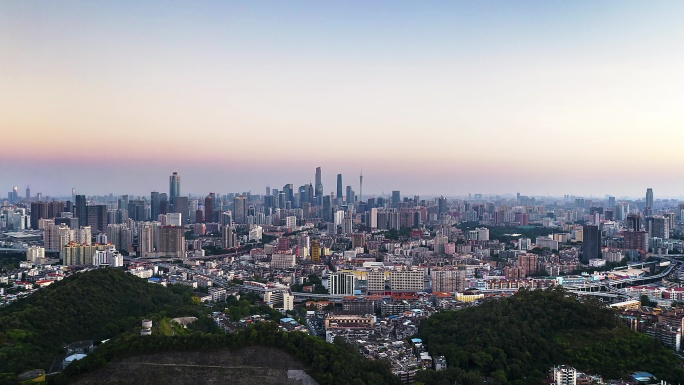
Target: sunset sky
x=452 y=97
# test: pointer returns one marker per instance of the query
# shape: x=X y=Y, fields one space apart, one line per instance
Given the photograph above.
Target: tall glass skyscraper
x=174 y=186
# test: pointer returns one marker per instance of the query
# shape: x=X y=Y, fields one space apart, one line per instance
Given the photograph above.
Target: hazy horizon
x=542 y=98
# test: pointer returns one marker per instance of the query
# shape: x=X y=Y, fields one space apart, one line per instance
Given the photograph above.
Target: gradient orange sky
x=429 y=98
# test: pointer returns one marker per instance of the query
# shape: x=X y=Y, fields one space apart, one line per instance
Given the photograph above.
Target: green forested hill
x=329 y=364
x=517 y=339
x=97 y=304
x=110 y=303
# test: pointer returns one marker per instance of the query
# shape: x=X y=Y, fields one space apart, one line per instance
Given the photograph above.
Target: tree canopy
x=517 y=339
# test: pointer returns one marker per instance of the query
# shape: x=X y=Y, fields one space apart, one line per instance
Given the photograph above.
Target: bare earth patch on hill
x=253 y=365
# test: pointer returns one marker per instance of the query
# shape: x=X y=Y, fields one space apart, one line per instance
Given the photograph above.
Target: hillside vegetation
x=517 y=339
x=109 y=304
x=328 y=364
x=96 y=305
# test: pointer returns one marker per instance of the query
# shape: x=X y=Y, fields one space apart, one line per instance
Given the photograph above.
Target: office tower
x=28 y=193
x=319 y=184
x=182 y=205
x=136 y=210
x=442 y=205
x=659 y=227
x=315 y=251
x=327 y=214
x=396 y=198
x=633 y=222
x=209 y=209
x=39 y=210
x=649 y=200
x=164 y=207
x=591 y=244
x=174 y=186
x=80 y=211
x=611 y=202
x=349 y=196
x=361 y=187
x=339 y=186
x=310 y=193
x=288 y=195
x=172 y=241
x=341 y=284
x=281 y=200
x=155 y=203
x=240 y=209
x=97 y=217
x=55 y=209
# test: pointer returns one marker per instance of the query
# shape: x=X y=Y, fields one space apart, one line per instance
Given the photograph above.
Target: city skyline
x=548 y=98
x=175 y=185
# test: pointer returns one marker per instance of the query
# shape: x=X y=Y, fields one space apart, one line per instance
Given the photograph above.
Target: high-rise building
x=442 y=205
x=339 y=186
x=396 y=198
x=327 y=214
x=315 y=251
x=155 y=204
x=591 y=244
x=229 y=237
x=319 y=185
x=136 y=210
x=288 y=194
x=528 y=263
x=361 y=187
x=80 y=210
x=659 y=227
x=635 y=240
x=97 y=217
x=633 y=222
x=172 y=241
x=649 y=200
x=174 y=186
x=349 y=198
x=56 y=236
x=209 y=209
x=146 y=236
x=240 y=209
x=341 y=284
x=39 y=210
x=28 y=193
x=182 y=205
x=372 y=218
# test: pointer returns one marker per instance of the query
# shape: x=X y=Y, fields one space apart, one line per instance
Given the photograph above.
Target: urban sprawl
x=367 y=269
